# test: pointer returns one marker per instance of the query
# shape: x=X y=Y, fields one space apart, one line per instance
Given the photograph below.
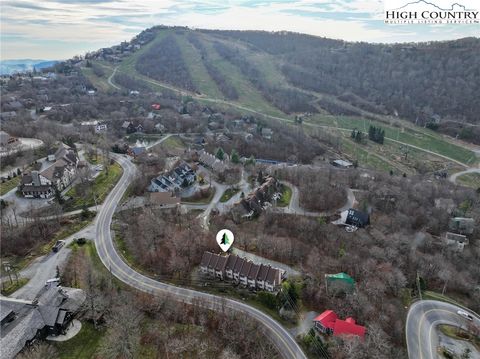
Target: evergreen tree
x=234 y=157
x=220 y=154
x=260 y=177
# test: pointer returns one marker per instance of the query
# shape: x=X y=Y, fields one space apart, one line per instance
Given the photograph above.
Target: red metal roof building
x=329 y=323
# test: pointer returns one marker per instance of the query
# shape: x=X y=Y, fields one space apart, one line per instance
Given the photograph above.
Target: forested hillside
x=431 y=84
x=438 y=78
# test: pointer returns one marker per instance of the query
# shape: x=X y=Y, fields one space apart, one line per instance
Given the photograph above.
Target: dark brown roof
x=213 y=261
x=206 y=259
x=239 y=264
x=220 y=266
x=262 y=273
x=36 y=188
x=246 y=269
x=273 y=276
x=231 y=262
x=27 y=179
x=252 y=274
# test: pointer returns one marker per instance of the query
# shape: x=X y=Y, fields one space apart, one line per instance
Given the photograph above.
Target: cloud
x=25 y=5
x=63 y=28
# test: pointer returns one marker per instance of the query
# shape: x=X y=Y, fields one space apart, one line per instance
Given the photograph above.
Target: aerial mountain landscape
x=290 y=73
x=203 y=193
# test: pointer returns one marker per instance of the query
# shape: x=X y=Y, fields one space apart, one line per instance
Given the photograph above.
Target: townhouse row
x=242 y=271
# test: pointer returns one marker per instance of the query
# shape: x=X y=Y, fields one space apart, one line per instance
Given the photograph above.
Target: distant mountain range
x=8 y=67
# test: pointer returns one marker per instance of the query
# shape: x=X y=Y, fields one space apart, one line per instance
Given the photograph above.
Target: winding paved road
x=286 y=344
x=423 y=318
x=453 y=178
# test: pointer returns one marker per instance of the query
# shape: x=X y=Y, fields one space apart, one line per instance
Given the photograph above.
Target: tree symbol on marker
x=224 y=239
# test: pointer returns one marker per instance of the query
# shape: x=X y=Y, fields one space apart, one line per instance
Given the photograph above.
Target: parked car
x=465 y=315
x=58 y=245
x=53 y=281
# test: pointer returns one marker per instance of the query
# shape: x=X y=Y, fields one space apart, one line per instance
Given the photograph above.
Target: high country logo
x=434 y=12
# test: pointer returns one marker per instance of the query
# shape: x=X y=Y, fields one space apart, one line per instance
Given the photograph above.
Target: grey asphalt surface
x=45 y=267
x=286 y=344
x=453 y=178
x=421 y=332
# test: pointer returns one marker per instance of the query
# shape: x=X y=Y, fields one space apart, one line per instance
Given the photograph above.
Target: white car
x=465 y=315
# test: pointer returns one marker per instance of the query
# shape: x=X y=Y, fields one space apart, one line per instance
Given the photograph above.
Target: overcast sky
x=59 y=29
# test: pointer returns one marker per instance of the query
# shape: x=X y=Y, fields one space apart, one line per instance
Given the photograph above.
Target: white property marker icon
x=225 y=239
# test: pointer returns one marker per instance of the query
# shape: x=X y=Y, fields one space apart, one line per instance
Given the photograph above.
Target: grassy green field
x=100 y=188
x=173 y=143
x=8 y=288
x=421 y=138
x=469 y=180
x=200 y=76
x=82 y=346
x=229 y=193
x=100 y=83
x=8 y=185
x=249 y=95
x=286 y=196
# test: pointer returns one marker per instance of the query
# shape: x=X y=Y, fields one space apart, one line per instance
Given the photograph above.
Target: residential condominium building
x=57 y=176
x=242 y=271
x=177 y=179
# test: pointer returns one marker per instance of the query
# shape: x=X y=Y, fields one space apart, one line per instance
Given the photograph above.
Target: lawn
x=173 y=143
x=83 y=345
x=8 y=185
x=249 y=95
x=469 y=180
x=229 y=193
x=204 y=198
x=284 y=201
x=419 y=137
x=100 y=83
x=9 y=288
x=197 y=70
x=99 y=189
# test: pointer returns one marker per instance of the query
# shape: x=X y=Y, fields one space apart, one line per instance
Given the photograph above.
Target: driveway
x=45 y=267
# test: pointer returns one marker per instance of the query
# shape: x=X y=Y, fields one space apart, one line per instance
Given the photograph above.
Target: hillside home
x=179 y=178
x=329 y=323
x=456 y=241
x=129 y=127
x=353 y=217
x=462 y=225
x=24 y=321
x=57 y=176
x=256 y=200
x=242 y=271
x=211 y=162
